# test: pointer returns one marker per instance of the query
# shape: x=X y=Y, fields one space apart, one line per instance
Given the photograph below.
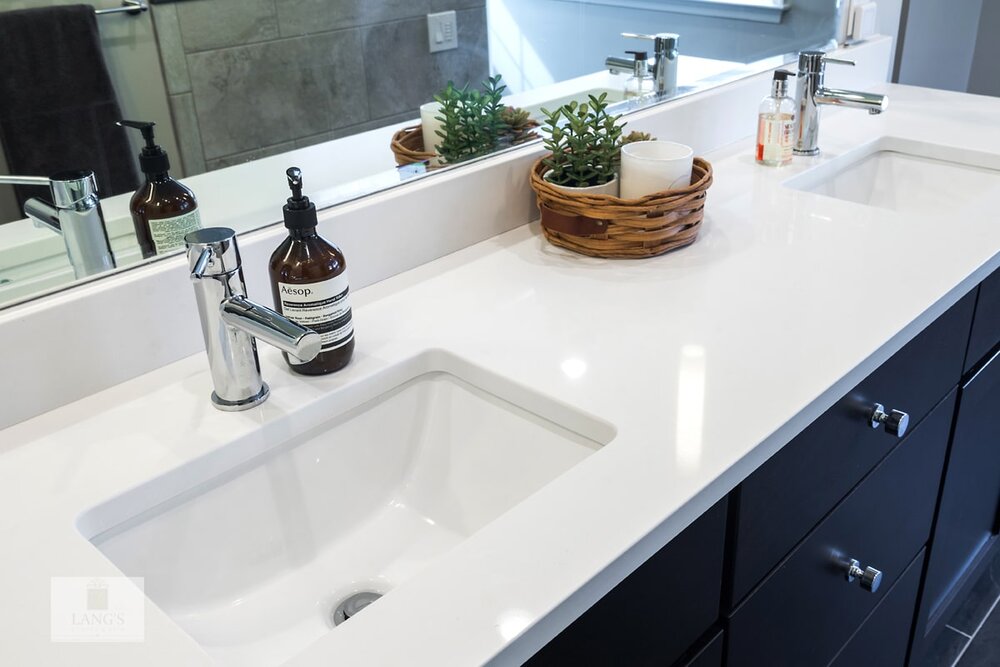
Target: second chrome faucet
x=664 y=62
x=231 y=323
x=811 y=93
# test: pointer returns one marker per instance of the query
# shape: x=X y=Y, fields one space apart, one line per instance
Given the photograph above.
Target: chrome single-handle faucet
x=75 y=214
x=230 y=322
x=664 y=65
x=811 y=93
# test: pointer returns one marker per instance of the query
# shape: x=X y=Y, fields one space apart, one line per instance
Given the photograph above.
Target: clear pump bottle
x=776 y=124
x=640 y=85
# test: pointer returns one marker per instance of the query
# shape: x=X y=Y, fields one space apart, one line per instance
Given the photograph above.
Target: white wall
x=940 y=43
x=889 y=14
x=984 y=78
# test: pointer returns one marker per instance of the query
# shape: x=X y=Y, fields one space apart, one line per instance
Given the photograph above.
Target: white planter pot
x=609 y=188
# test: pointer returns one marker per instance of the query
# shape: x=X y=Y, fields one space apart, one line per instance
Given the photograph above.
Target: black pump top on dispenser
x=300 y=213
x=153 y=160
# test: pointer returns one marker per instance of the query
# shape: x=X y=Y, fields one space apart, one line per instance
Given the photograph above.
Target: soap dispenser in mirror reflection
x=309 y=282
x=776 y=124
x=163 y=209
x=640 y=84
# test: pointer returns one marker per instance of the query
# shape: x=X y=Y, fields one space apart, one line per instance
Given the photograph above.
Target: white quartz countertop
x=706 y=361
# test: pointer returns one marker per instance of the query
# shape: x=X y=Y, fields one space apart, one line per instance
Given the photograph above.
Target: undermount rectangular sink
x=905 y=176
x=252 y=563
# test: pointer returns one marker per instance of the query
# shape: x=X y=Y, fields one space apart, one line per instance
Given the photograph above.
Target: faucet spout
x=43 y=214
x=618 y=65
x=267 y=325
x=231 y=323
x=873 y=103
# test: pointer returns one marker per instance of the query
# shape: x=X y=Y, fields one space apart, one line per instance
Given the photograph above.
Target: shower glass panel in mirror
x=239 y=90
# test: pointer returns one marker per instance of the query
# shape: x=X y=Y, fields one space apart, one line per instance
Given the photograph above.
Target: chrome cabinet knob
x=869 y=578
x=896 y=421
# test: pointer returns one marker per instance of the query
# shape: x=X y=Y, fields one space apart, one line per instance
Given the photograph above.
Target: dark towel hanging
x=57 y=104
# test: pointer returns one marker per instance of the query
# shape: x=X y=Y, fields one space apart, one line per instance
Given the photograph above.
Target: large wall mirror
x=241 y=89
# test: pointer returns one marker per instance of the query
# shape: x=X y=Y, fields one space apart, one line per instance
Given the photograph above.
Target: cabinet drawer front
x=788 y=495
x=986 y=325
x=657 y=612
x=884 y=636
x=806 y=609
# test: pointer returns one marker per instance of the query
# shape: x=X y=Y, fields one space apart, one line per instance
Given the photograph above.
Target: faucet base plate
x=244 y=404
x=809 y=153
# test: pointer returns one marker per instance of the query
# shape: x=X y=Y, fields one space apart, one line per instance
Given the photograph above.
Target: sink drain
x=352 y=605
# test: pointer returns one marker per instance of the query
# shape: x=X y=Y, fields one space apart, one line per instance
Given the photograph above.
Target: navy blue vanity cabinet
x=706 y=653
x=985 y=335
x=658 y=612
x=967 y=523
x=884 y=636
x=808 y=608
x=783 y=499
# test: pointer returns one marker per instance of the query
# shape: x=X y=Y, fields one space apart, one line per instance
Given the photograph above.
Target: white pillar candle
x=430 y=126
x=654 y=166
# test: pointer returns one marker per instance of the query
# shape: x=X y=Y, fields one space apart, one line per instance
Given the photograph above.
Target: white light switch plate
x=864 y=20
x=442 y=31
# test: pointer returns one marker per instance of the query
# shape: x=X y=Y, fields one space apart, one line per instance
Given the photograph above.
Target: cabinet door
x=660 y=610
x=967 y=516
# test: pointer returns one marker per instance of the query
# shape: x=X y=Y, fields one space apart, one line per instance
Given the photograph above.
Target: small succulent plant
x=585 y=143
x=471 y=120
x=519 y=126
x=636 y=135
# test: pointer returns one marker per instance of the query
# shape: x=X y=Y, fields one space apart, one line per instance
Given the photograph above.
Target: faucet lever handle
x=838 y=61
x=636 y=35
x=201 y=264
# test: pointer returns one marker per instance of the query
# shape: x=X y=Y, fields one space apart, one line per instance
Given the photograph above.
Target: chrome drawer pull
x=870 y=578
x=896 y=421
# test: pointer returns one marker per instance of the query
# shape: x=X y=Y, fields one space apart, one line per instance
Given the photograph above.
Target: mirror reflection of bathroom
x=236 y=90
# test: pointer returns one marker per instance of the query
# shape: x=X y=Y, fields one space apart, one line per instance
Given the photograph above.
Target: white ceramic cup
x=430 y=125
x=654 y=166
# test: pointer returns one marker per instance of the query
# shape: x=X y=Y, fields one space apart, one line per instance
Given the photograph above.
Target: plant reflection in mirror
x=471 y=120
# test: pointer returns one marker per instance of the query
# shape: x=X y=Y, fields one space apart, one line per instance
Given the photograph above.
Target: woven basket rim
x=401 y=150
x=701 y=169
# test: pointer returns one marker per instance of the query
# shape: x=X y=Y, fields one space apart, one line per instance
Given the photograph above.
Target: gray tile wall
x=252 y=78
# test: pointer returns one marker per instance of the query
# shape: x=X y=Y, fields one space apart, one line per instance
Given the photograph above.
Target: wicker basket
x=607 y=226
x=408 y=144
x=408 y=147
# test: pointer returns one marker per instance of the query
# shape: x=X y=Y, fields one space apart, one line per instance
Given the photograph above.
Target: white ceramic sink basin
x=905 y=176
x=251 y=563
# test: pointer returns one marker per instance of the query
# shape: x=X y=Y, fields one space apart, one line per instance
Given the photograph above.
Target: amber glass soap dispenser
x=163 y=210
x=309 y=281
